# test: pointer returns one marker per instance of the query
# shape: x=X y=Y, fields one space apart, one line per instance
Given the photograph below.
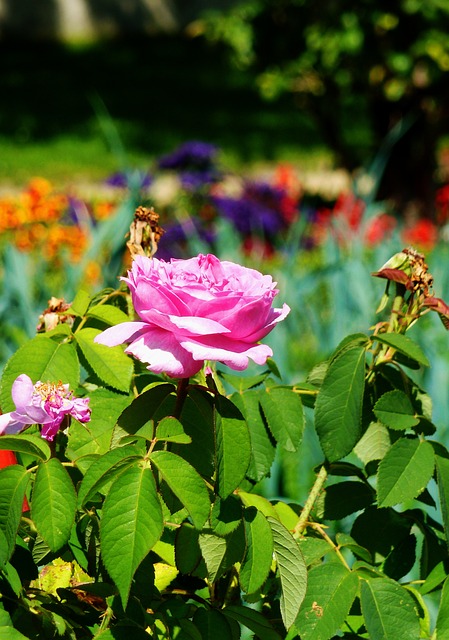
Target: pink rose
x=196 y=310
x=46 y=404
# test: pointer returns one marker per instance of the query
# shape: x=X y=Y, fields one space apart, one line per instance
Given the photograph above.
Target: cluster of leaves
x=148 y=519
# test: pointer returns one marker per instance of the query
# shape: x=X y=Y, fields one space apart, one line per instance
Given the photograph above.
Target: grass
x=158 y=92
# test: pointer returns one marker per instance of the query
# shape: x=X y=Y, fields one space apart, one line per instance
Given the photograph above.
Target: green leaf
x=401 y=559
x=242 y=383
x=213 y=549
x=442 y=624
x=232 y=445
x=80 y=304
x=404 y=471
x=345 y=540
x=169 y=429
x=95 y=437
x=104 y=469
x=284 y=413
x=442 y=468
x=259 y=551
x=13 y=484
x=212 y=624
x=378 y=530
x=144 y=407
x=187 y=485
x=41 y=359
x=338 y=407
x=313 y=549
x=292 y=572
x=388 y=610
x=374 y=443
x=261 y=503
x=187 y=548
x=253 y=620
x=110 y=364
x=53 y=503
x=108 y=313
x=131 y=523
x=262 y=444
x=395 y=410
x=32 y=445
x=331 y=590
x=226 y=515
x=404 y=345
x=344 y=498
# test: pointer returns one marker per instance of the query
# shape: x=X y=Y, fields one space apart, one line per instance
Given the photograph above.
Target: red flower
x=378 y=228
x=423 y=234
x=7 y=458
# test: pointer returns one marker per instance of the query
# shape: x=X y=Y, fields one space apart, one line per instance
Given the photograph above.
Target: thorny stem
x=313 y=495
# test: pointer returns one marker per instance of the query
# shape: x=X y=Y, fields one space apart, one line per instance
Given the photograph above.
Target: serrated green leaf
x=344 y=498
x=292 y=572
x=110 y=364
x=442 y=468
x=404 y=471
x=108 y=313
x=374 y=443
x=80 y=304
x=226 y=515
x=395 y=410
x=253 y=620
x=53 y=503
x=169 y=429
x=95 y=437
x=331 y=591
x=313 y=549
x=345 y=540
x=212 y=624
x=404 y=345
x=261 y=503
x=29 y=444
x=442 y=624
x=13 y=484
x=187 y=485
x=104 y=469
x=338 y=407
x=233 y=446
x=41 y=359
x=213 y=549
x=131 y=523
x=284 y=413
x=242 y=383
x=388 y=610
x=259 y=551
x=144 y=407
x=187 y=548
x=262 y=443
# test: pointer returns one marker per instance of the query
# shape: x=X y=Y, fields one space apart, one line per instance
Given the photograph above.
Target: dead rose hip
x=196 y=310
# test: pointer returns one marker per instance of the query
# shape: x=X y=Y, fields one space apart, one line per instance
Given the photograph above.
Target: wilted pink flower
x=196 y=310
x=43 y=403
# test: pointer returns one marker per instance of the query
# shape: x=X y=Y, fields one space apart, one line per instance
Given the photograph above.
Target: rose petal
x=10 y=426
x=22 y=392
x=231 y=352
x=164 y=354
x=120 y=333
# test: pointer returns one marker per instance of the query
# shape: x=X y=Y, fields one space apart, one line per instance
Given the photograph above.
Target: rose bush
x=196 y=310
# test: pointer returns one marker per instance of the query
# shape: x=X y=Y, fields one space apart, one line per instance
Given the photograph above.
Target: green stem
x=313 y=495
x=181 y=395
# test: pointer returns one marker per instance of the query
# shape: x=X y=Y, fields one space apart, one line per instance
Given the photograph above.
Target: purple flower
x=195 y=162
x=43 y=403
x=190 y=155
x=123 y=179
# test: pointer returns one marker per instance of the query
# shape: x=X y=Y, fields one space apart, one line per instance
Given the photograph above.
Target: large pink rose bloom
x=196 y=310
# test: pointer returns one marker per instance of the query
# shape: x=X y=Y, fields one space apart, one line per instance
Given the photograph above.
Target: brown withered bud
x=144 y=233
x=54 y=315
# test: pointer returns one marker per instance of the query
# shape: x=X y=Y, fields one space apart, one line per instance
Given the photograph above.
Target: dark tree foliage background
x=360 y=69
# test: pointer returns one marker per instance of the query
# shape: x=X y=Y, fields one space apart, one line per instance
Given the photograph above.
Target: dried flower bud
x=144 y=233
x=54 y=315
